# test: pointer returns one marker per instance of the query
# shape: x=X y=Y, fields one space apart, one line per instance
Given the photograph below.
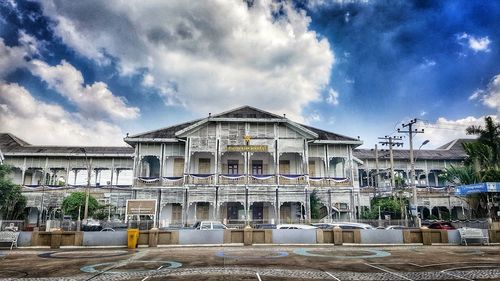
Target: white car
x=209 y=225
x=343 y=225
x=295 y=226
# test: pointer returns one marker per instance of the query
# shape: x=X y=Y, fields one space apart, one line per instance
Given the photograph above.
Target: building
x=242 y=166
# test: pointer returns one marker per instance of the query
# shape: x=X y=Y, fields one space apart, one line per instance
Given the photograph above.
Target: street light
x=414 y=185
x=87 y=192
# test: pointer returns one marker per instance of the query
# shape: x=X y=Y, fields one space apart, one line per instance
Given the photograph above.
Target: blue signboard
x=464 y=190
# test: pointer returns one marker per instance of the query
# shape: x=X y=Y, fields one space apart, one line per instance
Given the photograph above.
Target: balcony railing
x=148 y=181
x=262 y=179
x=291 y=179
x=202 y=179
x=327 y=181
x=232 y=179
x=172 y=181
x=156 y=181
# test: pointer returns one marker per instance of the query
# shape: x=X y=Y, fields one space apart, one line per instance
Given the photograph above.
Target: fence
x=153 y=238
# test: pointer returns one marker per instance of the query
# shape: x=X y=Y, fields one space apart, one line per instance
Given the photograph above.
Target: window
x=204 y=166
x=232 y=167
x=257 y=167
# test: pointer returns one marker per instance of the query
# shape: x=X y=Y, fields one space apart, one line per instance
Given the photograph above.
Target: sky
x=89 y=72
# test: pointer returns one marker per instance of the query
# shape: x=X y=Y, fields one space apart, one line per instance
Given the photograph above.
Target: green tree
x=388 y=206
x=12 y=202
x=461 y=175
x=315 y=205
x=71 y=205
x=489 y=135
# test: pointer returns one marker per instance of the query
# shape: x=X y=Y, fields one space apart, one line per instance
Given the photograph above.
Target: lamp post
x=87 y=191
x=414 y=185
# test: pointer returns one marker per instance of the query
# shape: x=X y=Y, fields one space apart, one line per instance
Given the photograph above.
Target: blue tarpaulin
x=464 y=190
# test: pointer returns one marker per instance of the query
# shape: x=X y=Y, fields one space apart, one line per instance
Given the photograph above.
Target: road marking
x=154 y=273
x=464 y=267
x=331 y=275
x=456 y=276
x=388 y=271
x=258 y=276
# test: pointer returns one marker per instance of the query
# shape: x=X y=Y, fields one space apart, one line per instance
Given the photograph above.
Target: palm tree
x=489 y=136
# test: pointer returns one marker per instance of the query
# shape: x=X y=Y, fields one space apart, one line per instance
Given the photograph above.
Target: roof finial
x=284 y=115
x=209 y=114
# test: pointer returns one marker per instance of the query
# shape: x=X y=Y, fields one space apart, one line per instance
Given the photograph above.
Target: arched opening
x=150 y=167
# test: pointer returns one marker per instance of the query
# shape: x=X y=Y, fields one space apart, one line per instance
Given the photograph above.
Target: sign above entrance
x=141 y=207
x=247 y=148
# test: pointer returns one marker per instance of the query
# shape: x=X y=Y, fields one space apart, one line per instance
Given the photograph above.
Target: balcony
x=172 y=181
x=156 y=181
x=232 y=179
x=262 y=179
x=201 y=179
x=292 y=179
x=329 y=182
x=147 y=181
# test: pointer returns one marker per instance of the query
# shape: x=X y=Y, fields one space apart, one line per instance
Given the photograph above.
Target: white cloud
x=490 y=97
x=443 y=130
x=11 y=58
x=208 y=56
x=333 y=97
x=94 y=101
x=313 y=117
x=42 y=123
x=477 y=44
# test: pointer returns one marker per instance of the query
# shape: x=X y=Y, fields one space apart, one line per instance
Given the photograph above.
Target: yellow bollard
x=132 y=238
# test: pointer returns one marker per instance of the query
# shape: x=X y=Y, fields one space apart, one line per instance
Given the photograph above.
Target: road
x=255 y=263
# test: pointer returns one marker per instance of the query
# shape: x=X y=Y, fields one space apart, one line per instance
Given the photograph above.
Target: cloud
x=333 y=97
x=445 y=130
x=208 y=56
x=477 y=44
x=11 y=58
x=490 y=97
x=49 y=124
x=313 y=117
x=94 y=101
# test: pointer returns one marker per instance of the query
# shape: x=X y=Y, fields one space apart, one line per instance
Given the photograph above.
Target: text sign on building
x=141 y=207
x=247 y=148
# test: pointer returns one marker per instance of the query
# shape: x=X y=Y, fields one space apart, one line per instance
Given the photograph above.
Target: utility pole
x=410 y=133
x=377 y=175
x=87 y=191
x=391 y=141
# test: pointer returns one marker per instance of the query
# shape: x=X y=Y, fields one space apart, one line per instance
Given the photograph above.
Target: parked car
x=397 y=227
x=209 y=225
x=343 y=225
x=442 y=225
x=265 y=226
x=91 y=225
x=295 y=226
x=107 y=229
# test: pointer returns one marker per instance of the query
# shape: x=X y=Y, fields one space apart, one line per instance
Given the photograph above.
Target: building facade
x=242 y=166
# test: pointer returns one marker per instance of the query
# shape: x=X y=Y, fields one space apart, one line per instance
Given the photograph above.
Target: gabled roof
x=325 y=135
x=244 y=112
x=450 y=151
x=9 y=140
x=456 y=144
x=164 y=133
x=247 y=112
x=12 y=145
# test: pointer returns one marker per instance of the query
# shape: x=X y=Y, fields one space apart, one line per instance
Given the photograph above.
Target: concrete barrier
x=381 y=236
x=154 y=237
x=24 y=239
x=188 y=237
x=294 y=236
x=109 y=238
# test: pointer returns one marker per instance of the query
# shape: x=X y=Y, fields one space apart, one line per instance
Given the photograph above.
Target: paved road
x=255 y=263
